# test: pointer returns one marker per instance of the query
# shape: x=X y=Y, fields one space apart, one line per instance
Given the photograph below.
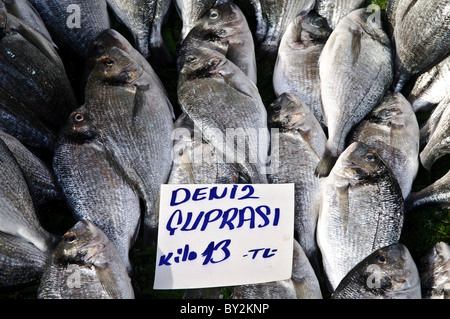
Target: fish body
x=420 y=42
x=387 y=273
x=74 y=24
x=335 y=10
x=226 y=107
x=303 y=283
x=224 y=28
x=355 y=73
x=438 y=194
x=392 y=130
x=85 y=265
x=300 y=141
x=93 y=188
x=427 y=128
x=434 y=269
x=144 y=19
x=438 y=143
x=362 y=209
x=297 y=66
x=431 y=87
x=134 y=121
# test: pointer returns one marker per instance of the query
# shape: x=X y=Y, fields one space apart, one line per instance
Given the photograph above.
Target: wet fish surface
x=74 y=24
x=93 y=188
x=85 y=265
x=362 y=209
x=224 y=28
x=134 y=120
x=303 y=283
x=272 y=19
x=335 y=10
x=387 y=273
x=144 y=19
x=355 y=72
x=393 y=131
x=434 y=269
x=428 y=128
x=221 y=100
x=296 y=69
x=416 y=50
x=300 y=141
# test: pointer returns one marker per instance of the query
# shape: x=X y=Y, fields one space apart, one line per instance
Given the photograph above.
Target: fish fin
x=343 y=196
x=139 y=100
x=106 y=278
x=356 y=44
x=325 y=165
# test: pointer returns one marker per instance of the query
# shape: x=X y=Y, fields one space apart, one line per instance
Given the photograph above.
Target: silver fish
x=134 y=121
x=335 y=10
x=224 y=28
x=355 y=74
x=226 y=107
x=350 y=225
x=420 y=42
x=438 y=143
x=144 y=19
x=427 y=128
x=93 y=188
x=74 y=24
x=434 y=269
x=387 y=273
x=303 y=283
x=195 y=161
x=392 y=130
x=431 y=87
x=85 y=265
x=190 y=11
x=300 y=141
x=438 y=193
x=297 y=66
x=39 y=176
x=272 y=19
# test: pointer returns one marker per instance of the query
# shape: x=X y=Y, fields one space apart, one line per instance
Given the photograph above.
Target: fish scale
x=335 y=10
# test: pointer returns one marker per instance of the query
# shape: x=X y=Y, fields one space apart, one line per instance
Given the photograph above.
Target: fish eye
x=70 y=239
x=108 y=61
x=370 y=157
x=276 y=109
x=214 y=15
x=381 y=259
x=317 y=23
x=78 y=117
x=191 y=59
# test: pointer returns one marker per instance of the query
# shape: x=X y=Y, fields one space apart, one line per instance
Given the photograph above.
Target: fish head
x=394 y=111
x=82 y=244
x=200 y=62
x=312 y=28
x=394 y=270
x=4 y=23
x=437 y=258
x=116 y=67
x=107 y=39
x=221 y=21
x=287 y=112
x=79 y=127
x=361 y=163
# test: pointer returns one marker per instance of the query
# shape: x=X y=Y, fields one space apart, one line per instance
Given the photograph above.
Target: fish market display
x=209 y=81
x=335 y=10
x=355 y=74
x=431 y=87
x=302 y=285
x=392 y=130
x=144 y=19
x=74 y=24
x=134 y=120
x=297 y=66
x=85 y=265
x=420 y=42
x=300 y=141
x=224 y=28
x=362 y=209
x=387 y=273
x=94 y=189
x=434 y=269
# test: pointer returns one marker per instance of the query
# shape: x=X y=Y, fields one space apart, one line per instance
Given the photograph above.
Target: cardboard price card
x=224 y=235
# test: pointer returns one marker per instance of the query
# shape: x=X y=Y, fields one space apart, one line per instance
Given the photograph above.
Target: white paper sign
x=224 y=235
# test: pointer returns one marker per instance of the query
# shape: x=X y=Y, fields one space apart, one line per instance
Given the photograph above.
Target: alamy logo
x=74 y=19
x=74 y=279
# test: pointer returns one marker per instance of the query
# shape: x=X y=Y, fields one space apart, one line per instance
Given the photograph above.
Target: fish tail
x=325 y=165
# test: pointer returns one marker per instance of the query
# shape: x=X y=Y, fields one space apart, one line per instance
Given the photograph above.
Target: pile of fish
x=341 y=128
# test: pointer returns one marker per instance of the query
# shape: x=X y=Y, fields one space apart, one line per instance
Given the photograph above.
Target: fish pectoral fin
x=356 y=44
x=140 y=99
x=108 y=282
x=343 y=196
